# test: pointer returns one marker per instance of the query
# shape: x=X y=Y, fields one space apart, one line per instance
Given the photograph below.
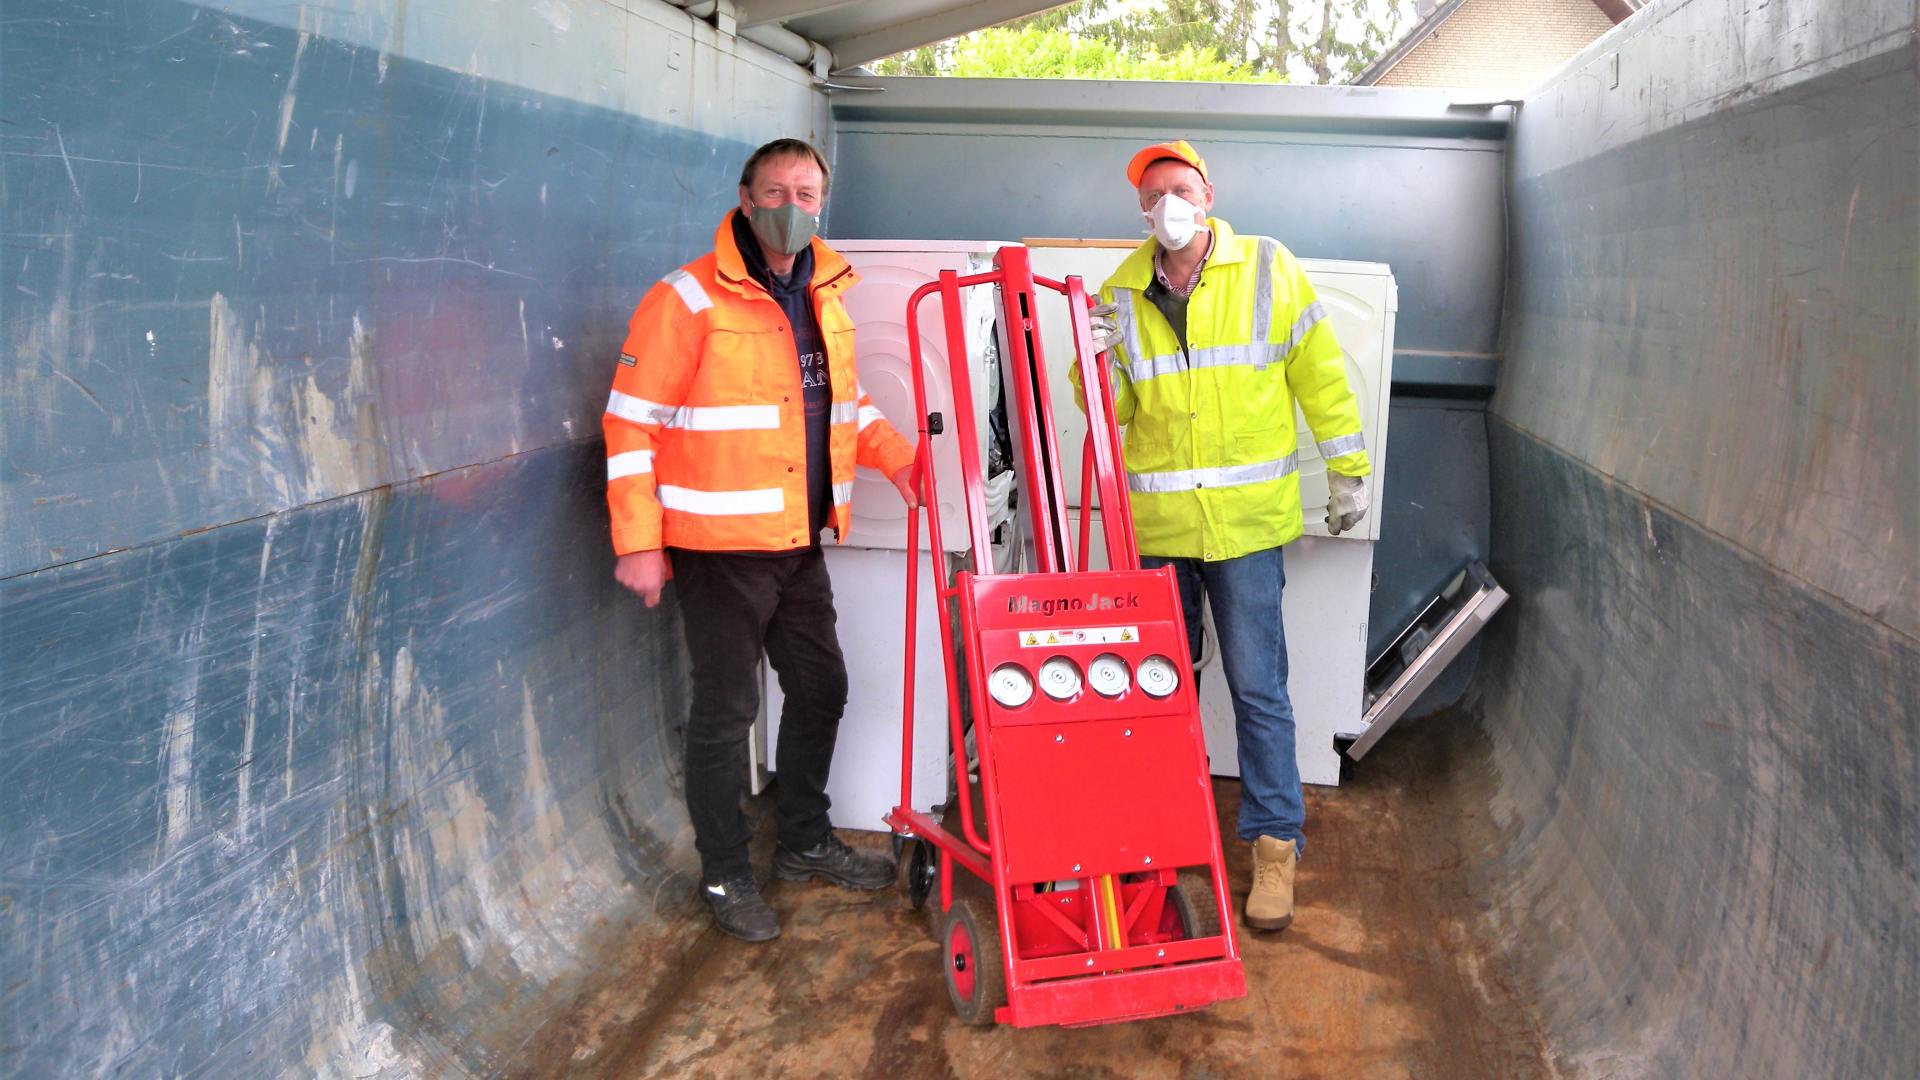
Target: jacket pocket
x=739 y=366
x=1253 y=446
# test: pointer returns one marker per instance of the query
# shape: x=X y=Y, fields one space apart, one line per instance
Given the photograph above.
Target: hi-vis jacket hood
x=1211 y=453
x=706 y=426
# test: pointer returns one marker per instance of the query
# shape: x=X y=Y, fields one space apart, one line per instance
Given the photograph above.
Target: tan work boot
x=1270 y=904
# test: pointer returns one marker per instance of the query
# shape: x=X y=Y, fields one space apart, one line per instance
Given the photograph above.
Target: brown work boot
x=1270 y=904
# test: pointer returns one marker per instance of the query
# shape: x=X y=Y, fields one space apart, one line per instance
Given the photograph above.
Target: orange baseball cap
x=1179 y=150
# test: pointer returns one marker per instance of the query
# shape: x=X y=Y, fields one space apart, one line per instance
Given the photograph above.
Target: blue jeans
x=1245 y=596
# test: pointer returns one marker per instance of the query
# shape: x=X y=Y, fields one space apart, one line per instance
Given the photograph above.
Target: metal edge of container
x=1460 y=628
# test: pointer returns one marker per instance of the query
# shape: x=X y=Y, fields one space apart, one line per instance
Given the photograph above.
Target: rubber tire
x=917 y=874
x=982 y=929
x=1192 y=898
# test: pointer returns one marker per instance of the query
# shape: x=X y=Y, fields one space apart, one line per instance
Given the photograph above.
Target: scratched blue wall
x=325 y=744
x=1702 y=707
x=250 y=268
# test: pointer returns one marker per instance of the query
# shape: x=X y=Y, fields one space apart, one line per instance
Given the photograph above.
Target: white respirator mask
x=1174 y=221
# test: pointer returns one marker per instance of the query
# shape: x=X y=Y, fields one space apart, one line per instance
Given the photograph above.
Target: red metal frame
x=1093 y=804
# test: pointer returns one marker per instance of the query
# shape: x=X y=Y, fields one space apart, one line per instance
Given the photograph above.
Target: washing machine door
x=890 y=271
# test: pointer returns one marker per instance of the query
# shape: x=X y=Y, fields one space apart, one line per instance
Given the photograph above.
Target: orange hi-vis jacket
x=706 y=427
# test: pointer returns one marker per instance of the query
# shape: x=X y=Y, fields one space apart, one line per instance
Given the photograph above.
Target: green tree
x=1039 y=53
x=1303 y=41
x=1332 y=41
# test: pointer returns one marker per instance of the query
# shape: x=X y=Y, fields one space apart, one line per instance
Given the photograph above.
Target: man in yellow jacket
x=733 y=430
x=1215 y=337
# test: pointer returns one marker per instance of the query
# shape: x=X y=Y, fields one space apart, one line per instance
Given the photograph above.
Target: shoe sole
x=1280 y=923
x=743 y=935
x=785 y=874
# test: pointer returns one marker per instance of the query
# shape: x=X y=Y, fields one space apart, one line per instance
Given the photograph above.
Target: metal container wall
x=327 y=745
x=1704 y=700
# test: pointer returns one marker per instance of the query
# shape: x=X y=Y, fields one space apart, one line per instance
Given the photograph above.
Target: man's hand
x=1106 y=326
x=905 y=482
x=1346 y=502
x=645 y=572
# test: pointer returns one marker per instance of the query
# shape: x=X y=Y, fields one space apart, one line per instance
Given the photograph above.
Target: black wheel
x=976 y=978
x=918 y=867
x=1193 y=905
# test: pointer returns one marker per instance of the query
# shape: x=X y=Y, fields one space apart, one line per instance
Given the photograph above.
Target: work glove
x=1106 y=326
x=1346 y=502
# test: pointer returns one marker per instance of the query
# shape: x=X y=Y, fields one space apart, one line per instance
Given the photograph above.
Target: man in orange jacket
x=732 y=433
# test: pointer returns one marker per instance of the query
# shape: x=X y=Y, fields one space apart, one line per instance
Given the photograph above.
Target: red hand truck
x=1101 y=893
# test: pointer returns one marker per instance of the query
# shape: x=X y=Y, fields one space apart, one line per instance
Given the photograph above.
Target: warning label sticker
x=1086 y=635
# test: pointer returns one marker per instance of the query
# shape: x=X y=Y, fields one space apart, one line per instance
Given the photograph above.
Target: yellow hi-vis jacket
x=1210 y=440
x=706 y=425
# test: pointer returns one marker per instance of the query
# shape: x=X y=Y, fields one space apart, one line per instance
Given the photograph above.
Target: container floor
x=1389 y=969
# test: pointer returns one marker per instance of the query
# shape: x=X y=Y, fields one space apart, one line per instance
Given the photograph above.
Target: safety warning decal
x=1085 y=635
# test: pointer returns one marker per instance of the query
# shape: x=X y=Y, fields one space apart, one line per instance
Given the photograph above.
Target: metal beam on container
x=753 y=13
x=766 y=33
x=1106 y=104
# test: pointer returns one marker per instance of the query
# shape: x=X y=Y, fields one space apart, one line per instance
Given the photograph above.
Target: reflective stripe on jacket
x=706 y=426
x=1212 y=463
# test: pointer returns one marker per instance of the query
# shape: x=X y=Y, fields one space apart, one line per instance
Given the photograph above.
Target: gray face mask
x=787 y=228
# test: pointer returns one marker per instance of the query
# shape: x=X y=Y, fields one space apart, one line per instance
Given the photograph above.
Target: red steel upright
x=1102 y=893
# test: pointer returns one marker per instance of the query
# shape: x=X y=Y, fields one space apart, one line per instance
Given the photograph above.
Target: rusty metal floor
x=1387 y=972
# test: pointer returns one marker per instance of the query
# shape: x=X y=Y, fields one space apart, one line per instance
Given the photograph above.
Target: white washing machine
x=890 y=270
x=1329 y=579
x=869 y=570
x=869 y=592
